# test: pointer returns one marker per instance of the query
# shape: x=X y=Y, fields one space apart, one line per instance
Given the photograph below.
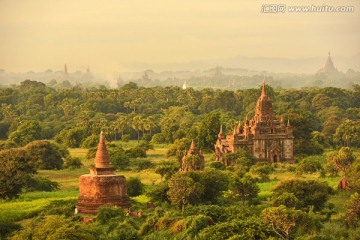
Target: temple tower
x=65 y=70
x=102 y=186
x=264 y=136
x=329 y=67
x=193 y=159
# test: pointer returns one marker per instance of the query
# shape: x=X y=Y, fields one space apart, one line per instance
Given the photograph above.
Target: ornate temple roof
x=264 y=109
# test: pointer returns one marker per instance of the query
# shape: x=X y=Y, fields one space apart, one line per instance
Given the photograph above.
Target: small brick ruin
x=188 y=164
x=102 y=186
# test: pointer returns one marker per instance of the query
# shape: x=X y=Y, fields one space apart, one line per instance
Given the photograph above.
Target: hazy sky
x=119 y=35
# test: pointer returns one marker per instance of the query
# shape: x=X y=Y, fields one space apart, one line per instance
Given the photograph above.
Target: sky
x=123 y=35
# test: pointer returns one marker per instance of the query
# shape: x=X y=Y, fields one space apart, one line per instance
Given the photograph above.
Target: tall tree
x=342 y=160
x=282 y=220
x=352 y=217
x=137 y=125
x=120 y=125
x=28 y=131
x=348 y=133
x=181 y=187
x=209 y=128
x=244 y=189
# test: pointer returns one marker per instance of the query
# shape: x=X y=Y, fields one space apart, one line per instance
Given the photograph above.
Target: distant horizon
x=147 y=66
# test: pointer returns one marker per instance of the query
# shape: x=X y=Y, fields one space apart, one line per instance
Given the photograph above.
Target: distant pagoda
x=329 y=67
x=102 y=186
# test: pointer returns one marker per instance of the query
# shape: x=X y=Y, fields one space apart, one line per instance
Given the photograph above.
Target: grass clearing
x=266 y=187
x=147 y=176
x=30 y=204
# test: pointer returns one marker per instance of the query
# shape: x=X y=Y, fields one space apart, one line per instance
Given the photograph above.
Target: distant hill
x=270 y=64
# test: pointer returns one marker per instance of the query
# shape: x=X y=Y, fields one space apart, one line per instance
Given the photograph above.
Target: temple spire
x=102 y=159
x=288 y=123
x=221 y=134
x=192 y=147
x=263 y=91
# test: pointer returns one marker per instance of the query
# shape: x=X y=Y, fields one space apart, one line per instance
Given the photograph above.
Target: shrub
x=251 y=228
x=125 y=137
x=158 y=194
x=146 y=145
x=158 y=138
x=72 y=162
x=41 y=184
x=46 y=155
x=123 y=231
x=216 y=212
x=167 y=168
x=136 y=152
x=262 y=169
x=8 y=227
x=71 y=137
x=91 y=141
x=309 y=193
x=15 y=171
x=290 y=168
x=177 y=149
x=119 y=160
x=91 y=152
x=212 y=184
x=240 y=158
x=134 y=186
x=287 y=199
x=217 y=165
x=106 y=213
x=54 y=227
x=60 y=207
x=140 y=164
x=118 y=157
x=7 y=145
x=146 y=137
x=194 y=224
x=309 y=164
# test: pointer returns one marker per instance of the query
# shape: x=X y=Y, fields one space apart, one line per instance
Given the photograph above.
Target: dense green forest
x=34 y=111
x=43 y=130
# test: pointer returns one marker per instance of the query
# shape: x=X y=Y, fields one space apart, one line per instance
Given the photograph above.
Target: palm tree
x=137 y=125
x=149 y=124
x=120 y=125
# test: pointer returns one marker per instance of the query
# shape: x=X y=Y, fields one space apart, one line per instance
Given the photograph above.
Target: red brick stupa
x=102 y=186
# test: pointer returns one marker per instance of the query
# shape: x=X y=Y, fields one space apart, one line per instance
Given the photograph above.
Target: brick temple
x=102 y=186
x=264 y=136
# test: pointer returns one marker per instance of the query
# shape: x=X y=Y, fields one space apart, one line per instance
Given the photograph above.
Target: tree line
x=321 y=117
